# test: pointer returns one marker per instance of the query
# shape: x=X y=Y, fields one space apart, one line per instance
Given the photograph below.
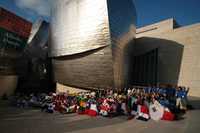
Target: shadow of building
x=153 y=61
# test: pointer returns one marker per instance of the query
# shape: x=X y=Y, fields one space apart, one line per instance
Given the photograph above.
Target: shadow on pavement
x=195 y=102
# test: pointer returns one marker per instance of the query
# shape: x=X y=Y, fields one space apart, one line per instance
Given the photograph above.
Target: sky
x=185 y=12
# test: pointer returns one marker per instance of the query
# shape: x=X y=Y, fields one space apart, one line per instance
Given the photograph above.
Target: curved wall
x=122 y=19
x=78 y=26
x=88 y=41
x=93 y=69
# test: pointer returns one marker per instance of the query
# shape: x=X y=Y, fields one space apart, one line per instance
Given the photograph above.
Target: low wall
x=8 y=84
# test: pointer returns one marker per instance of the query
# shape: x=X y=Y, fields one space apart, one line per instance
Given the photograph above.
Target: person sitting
x=71 y=108
x=164 y=101
x=50 y=108
x=142 y=109
x=134 y=106
x=156 y=110
x=82 y=105
x=168 y=115
x=93 y=109
x=124 y=106
x=34 y=101
x=143 y=113
x=104 y=108
x=113 y=108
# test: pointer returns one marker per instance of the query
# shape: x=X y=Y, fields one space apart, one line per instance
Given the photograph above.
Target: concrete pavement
x=15 y=120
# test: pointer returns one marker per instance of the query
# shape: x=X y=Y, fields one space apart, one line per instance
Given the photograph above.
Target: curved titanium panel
x=38 y=41
x=92 y=69
x=78 y=26
x=122 y=19
x=92 y=37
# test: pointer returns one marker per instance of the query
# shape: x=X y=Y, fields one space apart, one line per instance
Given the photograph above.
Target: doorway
x=144 y=69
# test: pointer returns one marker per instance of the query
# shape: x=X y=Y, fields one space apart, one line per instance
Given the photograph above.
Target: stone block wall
x=8 y=84
x=179 y=55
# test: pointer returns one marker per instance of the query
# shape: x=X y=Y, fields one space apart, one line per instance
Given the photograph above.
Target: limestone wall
x=186 y=53
x=159 y=27
x=8 y=84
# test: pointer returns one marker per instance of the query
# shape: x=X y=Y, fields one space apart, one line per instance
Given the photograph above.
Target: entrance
x=144 y=69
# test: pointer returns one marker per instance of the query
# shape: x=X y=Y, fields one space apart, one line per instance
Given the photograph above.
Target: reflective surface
x=122 y=19
x=38 y=41
x=78 y=26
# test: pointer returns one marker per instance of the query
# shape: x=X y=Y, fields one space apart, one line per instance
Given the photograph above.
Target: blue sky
x=148 y=11
x=184 y=11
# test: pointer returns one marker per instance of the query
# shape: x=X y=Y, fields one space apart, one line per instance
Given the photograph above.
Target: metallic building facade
x=78 y=26
x=34 y=67
x=89 y=41
x=38 y=40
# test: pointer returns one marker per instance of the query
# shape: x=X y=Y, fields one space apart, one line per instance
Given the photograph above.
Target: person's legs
x=178 y=102
x=183 y=104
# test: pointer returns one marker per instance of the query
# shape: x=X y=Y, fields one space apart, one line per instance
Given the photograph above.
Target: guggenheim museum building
x=90 y=42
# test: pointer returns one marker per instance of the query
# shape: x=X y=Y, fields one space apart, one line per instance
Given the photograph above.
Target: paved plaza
x=15 y=120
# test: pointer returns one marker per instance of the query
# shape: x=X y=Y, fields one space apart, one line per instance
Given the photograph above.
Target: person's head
x=184 y=88
x=152 y=99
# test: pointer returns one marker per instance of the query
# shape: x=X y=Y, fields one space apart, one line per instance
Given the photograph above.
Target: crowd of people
x=157 y=103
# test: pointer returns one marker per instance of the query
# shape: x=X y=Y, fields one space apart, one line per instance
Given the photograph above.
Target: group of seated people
x=157 y=103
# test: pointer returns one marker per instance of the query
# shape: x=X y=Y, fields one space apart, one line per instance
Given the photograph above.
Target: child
x=168 y=115
x=82 y=104
x=50 y=108
x=142 y=109
x=93 y=109
x=156 y=110
x=143 y=113
x=124 y=107
x=113 y=108
x=104 y=108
